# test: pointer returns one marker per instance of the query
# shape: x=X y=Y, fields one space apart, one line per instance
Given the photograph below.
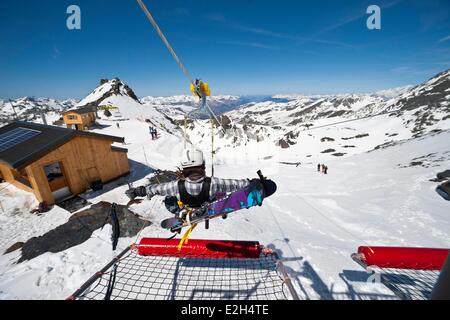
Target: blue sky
x=253 y=47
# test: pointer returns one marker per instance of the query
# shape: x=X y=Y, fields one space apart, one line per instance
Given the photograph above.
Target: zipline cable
x=212 y=148
x=174 y=55
x=164 y=39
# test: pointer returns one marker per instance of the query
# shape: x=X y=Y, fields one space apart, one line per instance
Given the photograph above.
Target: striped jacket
x=194 y=187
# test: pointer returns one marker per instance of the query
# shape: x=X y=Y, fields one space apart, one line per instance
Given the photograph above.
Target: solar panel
x=14 y=137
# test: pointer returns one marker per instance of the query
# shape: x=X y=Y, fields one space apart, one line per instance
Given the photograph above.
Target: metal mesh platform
x=408 y=284
x=164 y=277
x=411 y=273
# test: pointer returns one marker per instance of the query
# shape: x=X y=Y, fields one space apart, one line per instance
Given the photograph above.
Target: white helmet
x=192 y=158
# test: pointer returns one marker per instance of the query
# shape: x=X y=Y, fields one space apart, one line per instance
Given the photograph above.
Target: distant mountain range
x=281 y=120
x=33 y=109
x=326 y=122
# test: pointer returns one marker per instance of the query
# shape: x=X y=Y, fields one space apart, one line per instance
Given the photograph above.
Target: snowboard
x=248 y=197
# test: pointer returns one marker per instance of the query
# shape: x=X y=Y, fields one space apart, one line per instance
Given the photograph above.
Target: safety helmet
x=192 y=158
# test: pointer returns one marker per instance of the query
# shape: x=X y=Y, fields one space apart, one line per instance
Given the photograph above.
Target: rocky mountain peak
x=106 y=89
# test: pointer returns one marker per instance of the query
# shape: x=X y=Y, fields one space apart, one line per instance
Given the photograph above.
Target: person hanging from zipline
x=194 y=188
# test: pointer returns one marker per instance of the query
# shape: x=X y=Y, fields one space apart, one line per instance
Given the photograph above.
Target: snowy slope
x=119 y=95
x=375 y=196
x=313 y=220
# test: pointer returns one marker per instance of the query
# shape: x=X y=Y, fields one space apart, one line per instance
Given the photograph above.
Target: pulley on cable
x=201 y=90
x=198 y=90
x=198 y=87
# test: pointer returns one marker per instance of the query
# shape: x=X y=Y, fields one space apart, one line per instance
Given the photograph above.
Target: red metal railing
x=403 y=257
x=199 y=248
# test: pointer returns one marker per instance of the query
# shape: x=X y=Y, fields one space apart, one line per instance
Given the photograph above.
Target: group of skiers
x=153 y=132
x=322 y=168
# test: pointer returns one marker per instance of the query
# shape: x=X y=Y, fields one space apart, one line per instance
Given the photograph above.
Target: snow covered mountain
x=33 y=109
x=314 y=221
x=322 y=126
x=392 y=93
x=277 y=123
x=108 y=89
x=177 y=106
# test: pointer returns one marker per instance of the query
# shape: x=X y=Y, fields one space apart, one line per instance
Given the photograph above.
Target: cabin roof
x=82 y=110
x=42 y=140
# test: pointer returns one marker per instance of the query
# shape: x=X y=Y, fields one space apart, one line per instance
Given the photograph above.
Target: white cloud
x=444 y=39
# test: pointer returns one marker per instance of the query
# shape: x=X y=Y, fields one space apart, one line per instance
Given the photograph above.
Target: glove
x=136 y=192
x=172 y=204
x=257 y=183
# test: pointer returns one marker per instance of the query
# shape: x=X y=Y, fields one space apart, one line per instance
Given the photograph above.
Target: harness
x=191 y=200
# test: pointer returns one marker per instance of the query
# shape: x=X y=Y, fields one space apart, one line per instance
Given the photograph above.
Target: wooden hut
x=55 y=163
x=81 y=118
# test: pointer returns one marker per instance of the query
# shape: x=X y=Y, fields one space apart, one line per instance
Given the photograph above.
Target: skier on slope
x=152 y=133
x=194 y=189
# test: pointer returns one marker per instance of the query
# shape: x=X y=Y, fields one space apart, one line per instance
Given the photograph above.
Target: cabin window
x=53 y=171
x=72 y=117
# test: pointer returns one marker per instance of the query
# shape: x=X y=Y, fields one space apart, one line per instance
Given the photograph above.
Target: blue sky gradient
x=253 y=47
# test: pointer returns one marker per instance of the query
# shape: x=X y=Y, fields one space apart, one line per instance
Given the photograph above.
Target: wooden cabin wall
x=121 y=159
x=84 y=121
x=77 y=119
x=89 y=119
x=9 y=175
x=6 y=173
x=84 y=160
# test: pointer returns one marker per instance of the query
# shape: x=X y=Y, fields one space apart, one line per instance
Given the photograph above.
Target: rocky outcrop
x=283 y=144
x=79 y=228
x=224 y=121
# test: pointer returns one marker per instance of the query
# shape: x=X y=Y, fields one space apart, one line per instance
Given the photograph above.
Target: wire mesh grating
x=406 y=283
x=186 y=278
x=409 y=284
